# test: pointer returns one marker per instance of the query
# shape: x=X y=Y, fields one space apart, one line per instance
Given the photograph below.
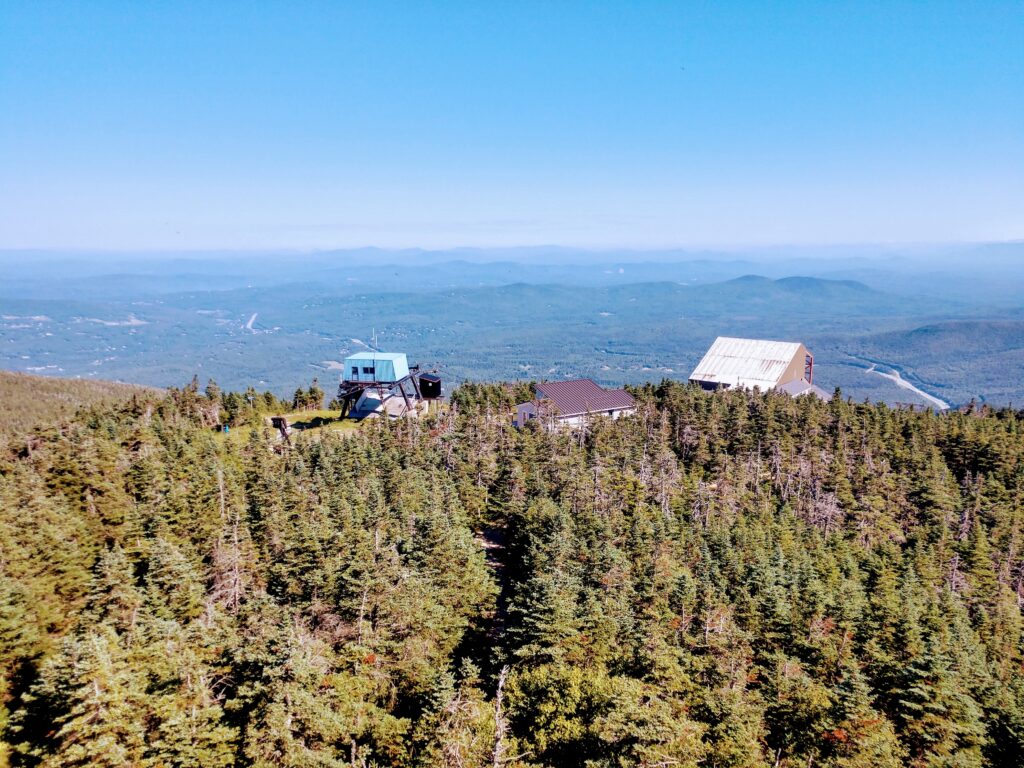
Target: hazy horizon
x=767 y=249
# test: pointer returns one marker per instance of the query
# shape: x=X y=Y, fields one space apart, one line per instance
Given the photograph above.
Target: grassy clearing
x=299 y=422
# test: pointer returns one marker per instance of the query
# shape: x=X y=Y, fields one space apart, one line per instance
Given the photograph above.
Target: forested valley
x=724 y=580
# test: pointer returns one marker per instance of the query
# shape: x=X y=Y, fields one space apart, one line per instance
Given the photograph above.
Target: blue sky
x=181 y=125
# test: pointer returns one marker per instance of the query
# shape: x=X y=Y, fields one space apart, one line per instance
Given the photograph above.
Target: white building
x=786 y=366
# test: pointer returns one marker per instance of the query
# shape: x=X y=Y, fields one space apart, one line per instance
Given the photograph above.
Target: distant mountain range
x=277 y=322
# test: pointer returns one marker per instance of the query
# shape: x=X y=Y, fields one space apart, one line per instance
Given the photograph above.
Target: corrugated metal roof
x=745 y=362
x=577 y=396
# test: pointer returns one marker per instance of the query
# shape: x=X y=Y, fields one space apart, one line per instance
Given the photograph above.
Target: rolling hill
x=27 y=400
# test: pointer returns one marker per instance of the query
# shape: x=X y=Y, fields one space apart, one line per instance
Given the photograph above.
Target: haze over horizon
x=679 y=250
x=320 y=126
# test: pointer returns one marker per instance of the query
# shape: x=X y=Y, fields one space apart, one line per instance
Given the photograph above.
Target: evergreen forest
x=726 y=580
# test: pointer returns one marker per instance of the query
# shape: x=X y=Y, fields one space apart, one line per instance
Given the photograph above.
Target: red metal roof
x=577 y=396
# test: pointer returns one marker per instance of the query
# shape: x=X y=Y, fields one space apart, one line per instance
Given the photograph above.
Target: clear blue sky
x=180 y=125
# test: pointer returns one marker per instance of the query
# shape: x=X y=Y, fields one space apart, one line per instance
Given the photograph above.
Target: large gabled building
x=732 y=363
x=573 y=402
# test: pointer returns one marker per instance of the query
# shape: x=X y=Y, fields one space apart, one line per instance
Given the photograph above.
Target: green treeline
x=721 y=580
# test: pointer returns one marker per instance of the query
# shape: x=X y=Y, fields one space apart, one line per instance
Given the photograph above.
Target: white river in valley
x=895 y=377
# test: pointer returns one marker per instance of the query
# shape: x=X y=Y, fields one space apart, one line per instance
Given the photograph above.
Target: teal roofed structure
x=374 y=367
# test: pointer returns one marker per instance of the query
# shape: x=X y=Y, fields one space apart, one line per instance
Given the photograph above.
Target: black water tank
x=430 y=386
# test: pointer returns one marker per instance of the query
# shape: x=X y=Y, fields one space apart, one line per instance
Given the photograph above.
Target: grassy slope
x=26 y=400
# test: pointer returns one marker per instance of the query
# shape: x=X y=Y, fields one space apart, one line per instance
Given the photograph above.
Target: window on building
x=355 y=371
x=368 y=369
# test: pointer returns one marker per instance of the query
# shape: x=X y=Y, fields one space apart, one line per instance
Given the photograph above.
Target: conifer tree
x=96 y=692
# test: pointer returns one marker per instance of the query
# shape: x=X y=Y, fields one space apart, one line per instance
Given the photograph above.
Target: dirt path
x=493 y=542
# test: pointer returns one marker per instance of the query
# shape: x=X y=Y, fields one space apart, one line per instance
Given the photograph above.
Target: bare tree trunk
x=362 y=614
x=220 y=491
x=228 y=583
x=500 y=724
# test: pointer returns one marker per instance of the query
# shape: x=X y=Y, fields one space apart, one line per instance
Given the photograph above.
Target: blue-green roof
x=371 y=366
x=377 y=356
